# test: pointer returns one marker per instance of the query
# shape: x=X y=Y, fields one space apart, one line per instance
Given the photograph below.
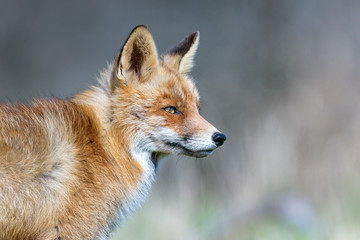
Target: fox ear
x=137 y=58
x=181 y=56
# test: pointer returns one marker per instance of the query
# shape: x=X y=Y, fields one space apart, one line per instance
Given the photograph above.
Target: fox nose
x=219 y=138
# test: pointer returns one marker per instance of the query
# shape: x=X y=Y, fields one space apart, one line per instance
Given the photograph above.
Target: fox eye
x=171 y=110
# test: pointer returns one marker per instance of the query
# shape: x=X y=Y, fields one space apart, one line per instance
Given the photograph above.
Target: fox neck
x=97 y=101
x=133 y=163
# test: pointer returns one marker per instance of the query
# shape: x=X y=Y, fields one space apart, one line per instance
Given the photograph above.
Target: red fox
x=76 y=168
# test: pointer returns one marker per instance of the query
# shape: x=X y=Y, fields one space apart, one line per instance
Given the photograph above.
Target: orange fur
x=74 y=169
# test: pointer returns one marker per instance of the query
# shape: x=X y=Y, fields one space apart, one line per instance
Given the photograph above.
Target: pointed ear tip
x=140 y=29
x=196 y=34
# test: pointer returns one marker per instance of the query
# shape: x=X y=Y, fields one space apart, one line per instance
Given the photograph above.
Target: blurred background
x=280 y=78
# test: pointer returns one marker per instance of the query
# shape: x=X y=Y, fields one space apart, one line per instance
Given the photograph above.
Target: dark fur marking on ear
x=122 y=49
x=137 y=59
x=183 y=47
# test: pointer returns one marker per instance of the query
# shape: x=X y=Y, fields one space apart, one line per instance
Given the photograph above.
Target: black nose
x=219 y=139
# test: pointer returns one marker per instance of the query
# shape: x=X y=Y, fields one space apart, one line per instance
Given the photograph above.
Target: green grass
x=169 y=219
x=199 y=224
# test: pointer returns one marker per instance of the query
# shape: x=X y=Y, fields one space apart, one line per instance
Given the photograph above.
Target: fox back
x=76 y=168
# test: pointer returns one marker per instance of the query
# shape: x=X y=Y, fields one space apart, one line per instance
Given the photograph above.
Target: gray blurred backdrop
x=280 y=78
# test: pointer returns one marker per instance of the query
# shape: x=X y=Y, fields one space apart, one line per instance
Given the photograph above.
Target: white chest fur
x=144 y=185
x=137 y=197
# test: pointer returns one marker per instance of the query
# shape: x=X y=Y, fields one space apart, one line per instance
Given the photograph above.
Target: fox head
x=155 y=100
